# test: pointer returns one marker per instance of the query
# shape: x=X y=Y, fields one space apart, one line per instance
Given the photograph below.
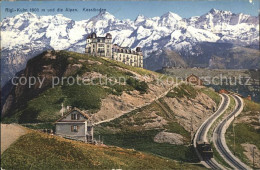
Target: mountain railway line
x=219 y=137
x=201 y=135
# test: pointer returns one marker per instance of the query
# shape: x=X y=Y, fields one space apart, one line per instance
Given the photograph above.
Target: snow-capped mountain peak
x=60 y=16
x=104 y=16
x=26 y=15
x=171 y=15
x=170 y=20
x=140 y=18
x=214 y=11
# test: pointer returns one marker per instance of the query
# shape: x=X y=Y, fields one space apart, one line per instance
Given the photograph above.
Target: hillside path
x=155 y=99
x=9 y=134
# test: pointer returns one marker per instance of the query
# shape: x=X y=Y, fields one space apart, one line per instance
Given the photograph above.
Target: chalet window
x=74 y=128
x=89 y=128
x=73 y=116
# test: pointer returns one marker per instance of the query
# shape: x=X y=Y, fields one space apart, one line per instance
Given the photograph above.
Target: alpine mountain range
x=217 y=39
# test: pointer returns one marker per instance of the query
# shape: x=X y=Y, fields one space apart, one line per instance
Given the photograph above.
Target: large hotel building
x=103 y=47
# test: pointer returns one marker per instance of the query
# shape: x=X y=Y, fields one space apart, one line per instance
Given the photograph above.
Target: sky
x=130 y=9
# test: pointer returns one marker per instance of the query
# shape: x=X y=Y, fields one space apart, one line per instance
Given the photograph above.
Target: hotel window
x=74 y=128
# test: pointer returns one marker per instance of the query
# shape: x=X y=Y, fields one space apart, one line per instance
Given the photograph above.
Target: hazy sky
x=131 y=9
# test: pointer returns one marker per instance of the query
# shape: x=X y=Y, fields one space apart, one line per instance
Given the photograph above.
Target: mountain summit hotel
x=103 y=47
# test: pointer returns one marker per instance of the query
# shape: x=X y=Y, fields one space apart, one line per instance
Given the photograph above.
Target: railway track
x=219 y=137
x=202 y=132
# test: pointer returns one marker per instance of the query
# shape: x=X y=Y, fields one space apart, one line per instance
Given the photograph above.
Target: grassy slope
x=127 y=131
x=212 y=94
x=244 y=132
x=46 y=105
x=183 y=90
x=143 y=141
x=41 y=151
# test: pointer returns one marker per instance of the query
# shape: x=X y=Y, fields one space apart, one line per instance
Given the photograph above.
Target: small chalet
x=194 y=80
x=75 y=125
x=249 y=97
x=223 y=91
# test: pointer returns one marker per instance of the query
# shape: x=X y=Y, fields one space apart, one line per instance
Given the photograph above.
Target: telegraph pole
x=234 y=136
x=62 y=109
x=253 y=157
x=191 y=129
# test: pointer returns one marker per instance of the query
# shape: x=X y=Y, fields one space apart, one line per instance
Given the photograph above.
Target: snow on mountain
x=170 y=20
x=25 y=35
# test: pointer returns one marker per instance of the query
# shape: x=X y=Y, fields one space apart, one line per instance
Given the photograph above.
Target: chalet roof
x=193 y=75
x=74 y=109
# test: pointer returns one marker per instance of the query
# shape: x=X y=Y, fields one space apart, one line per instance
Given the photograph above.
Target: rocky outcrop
x=248 y=151
x=196 y=110
x=166 y=137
